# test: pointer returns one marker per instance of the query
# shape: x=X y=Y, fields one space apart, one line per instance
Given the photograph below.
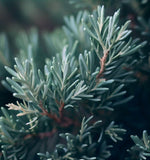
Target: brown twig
x=61 y=109
x=52 y=116
x=102 y=64
x=41 y=135
x=61 y=120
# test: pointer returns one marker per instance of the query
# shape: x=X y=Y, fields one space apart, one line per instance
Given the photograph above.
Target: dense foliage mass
x=65 y=109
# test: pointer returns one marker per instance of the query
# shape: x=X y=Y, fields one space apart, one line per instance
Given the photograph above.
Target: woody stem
x=102 y=64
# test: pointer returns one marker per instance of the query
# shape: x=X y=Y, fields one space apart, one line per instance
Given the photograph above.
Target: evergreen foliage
x=58 y=114
x=141 y=150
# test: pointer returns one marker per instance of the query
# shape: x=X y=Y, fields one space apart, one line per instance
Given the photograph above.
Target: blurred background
x=44 y=14
x=21 y=22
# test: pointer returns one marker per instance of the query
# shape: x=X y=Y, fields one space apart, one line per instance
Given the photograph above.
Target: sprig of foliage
x=19 y=134
x=85 y=145
x=110 y=38
x=12 y=129
x=89 y=143
x=141 y=150
x=115 y=132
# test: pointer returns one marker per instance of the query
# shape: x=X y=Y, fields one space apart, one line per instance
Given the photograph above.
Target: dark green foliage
x=141 y=149
x=89 y=144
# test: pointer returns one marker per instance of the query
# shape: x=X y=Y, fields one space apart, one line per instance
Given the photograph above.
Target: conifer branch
x=84 y=75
